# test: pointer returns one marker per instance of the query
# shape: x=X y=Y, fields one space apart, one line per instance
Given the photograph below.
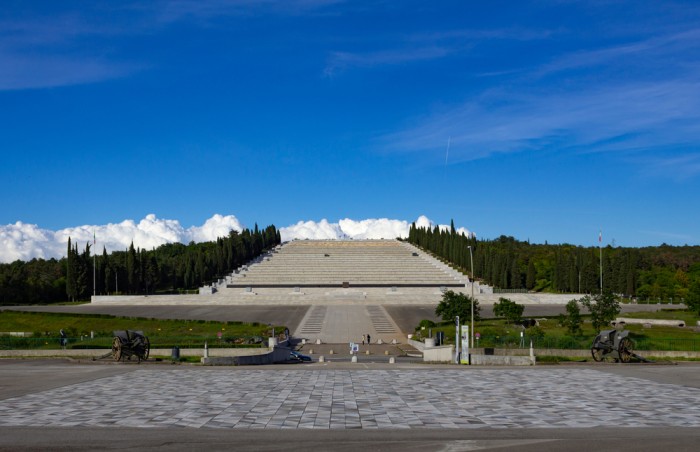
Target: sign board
x=464 y=357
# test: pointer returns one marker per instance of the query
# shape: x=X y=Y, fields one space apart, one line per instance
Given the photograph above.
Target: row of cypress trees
x=506 y=263
x=170 y=268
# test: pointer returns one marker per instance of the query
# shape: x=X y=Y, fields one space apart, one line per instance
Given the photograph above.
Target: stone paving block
x=350 y=399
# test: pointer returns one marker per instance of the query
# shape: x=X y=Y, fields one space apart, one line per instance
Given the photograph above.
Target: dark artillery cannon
x=615 y=345
x=127 y=343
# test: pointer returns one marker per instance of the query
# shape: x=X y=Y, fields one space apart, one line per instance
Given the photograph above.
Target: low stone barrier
x=501 y=360
x=96 y=352
x=418 y=345
x=651 y=322
x=442 y=354
x=278 y=354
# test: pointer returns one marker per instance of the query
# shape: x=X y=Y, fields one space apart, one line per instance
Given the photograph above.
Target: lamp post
x=471 y=261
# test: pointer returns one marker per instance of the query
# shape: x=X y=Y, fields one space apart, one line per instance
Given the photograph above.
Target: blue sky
x=546 y=121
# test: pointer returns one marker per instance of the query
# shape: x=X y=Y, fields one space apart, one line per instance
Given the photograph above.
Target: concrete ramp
x=344 y=323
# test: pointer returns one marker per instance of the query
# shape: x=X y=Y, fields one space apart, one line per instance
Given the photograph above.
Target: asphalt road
x=183 y=439
x=406 y=317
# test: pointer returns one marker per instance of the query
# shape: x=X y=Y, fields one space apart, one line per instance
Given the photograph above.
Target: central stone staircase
x=345 y=264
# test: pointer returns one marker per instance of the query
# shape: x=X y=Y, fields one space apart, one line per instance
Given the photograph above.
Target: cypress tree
x=131 y=269
x=70 y=273
x=531 y=275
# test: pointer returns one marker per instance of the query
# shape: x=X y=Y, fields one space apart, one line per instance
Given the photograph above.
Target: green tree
x=457 y=304
x=150 y=273
x=71 y=273
x=83 y=280
x=603 y=308
x=572 y=320
x=510 y=310
x=132 y=270
x=531 y=275
x=692 y=300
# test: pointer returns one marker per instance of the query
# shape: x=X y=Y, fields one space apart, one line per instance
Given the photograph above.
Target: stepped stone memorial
x=347 y=288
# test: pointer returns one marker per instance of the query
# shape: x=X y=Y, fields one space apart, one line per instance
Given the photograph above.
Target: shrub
x=425 y=323
x=510 y=310
x=457 y=304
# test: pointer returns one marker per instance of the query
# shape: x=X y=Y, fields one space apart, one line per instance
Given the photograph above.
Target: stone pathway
x=354 y=399
x=343 y=323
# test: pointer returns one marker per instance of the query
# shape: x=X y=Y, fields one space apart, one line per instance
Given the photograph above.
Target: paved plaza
x=64 y=405
x=322 y=398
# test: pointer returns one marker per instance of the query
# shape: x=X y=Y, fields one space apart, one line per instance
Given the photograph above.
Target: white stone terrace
x=385 y=272
x=349 y=264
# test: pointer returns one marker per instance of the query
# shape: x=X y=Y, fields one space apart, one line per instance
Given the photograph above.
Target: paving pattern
x=354 y=399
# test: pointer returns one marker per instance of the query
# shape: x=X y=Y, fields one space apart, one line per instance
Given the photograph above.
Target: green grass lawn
x=549 y=334
x=161 y=333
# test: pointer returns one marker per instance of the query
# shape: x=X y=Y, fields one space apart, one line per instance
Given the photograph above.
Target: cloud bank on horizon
x=22 y=241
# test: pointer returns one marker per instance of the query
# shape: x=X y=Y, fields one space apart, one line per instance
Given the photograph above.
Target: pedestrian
x=64 y=339
x=369 y=341
x=363 y=339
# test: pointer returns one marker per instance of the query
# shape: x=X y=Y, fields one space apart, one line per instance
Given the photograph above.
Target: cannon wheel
x=597 y=354
x=146 y=348
x=625 y=350
x=117 y=349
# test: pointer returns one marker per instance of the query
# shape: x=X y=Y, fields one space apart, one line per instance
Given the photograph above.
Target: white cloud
x=215 y=227
x=374 y=228
x=312 y=230
x=27 y=241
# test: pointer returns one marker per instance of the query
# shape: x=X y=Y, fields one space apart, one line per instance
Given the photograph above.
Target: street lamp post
x=471 y=261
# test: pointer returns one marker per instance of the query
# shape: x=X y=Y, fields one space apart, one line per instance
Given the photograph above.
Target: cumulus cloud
x=311 y=230
x=214 y=227
x=27 y=241
x=375 y=228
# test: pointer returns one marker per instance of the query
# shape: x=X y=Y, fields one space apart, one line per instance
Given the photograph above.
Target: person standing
x=369 y=341
x=363 y=339
x=63 y=339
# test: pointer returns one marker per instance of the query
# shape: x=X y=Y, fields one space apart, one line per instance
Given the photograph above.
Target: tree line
x=661 y=272
x=170 y=268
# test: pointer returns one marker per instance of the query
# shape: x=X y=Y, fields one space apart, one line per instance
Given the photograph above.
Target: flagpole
x=94 y=265
x=600 y=247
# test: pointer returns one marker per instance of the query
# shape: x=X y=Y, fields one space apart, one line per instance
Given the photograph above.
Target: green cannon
x=615 y=345
x=128 y=343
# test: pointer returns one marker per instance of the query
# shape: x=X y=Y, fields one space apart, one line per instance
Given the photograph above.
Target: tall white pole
x=471 y=260
x=94 y=264
x=457 y=341
x=600 y=247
